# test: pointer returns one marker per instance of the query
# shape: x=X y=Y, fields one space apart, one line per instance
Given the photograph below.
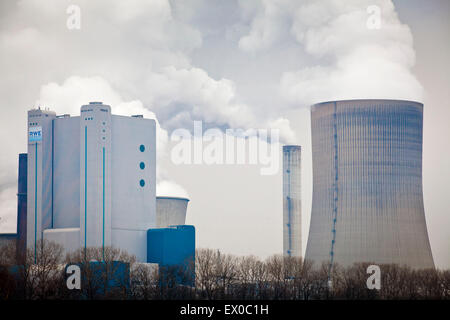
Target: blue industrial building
x=173 y=249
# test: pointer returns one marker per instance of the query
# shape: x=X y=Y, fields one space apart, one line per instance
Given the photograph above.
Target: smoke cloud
x=348 y=58
x=76 y=91
x=362 y=62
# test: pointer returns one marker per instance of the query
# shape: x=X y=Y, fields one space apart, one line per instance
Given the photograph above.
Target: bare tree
x=144 y=282
x=444 y=283
x=105 y=271
x=7 y=261
x=252 y=277
x=205 y=272
x=40 y=275
x=225 y=273
x=109 y=273
x=305 y=280
x=350 y=283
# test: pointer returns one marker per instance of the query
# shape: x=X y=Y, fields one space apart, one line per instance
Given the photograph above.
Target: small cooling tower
x=170 y=211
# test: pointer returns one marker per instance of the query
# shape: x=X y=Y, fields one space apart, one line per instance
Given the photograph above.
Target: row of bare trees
x=222 y=276
x=42 y=275
x=217 y=276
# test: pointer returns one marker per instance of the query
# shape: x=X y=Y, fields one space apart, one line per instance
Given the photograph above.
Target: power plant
x=367 y=184
x=292 y=240
x=90 y=181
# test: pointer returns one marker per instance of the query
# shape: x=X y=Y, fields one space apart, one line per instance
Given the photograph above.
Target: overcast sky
x=231 y=64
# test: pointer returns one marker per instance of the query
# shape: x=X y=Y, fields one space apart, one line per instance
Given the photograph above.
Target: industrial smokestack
x=170 y=211
x=22 y=209
x=367 y=184
x=292 y=240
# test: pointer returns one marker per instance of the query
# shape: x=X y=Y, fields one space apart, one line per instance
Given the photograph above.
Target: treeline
x=217 y=276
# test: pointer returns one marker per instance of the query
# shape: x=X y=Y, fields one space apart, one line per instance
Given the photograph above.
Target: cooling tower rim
x=172 y=198
x=368 y=100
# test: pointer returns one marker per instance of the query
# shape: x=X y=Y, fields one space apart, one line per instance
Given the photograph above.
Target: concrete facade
x=69 y=238
x=95 y=173
x=367 y=184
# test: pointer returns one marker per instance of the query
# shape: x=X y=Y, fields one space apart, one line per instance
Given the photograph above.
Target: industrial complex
x=90 y=181
x=85 y=173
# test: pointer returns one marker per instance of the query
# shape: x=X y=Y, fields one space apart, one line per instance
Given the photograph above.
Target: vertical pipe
x=288 y=199
x=103 y=197
x=85 y=189
x=335 y=190
x=35 y=198
x=53 y=160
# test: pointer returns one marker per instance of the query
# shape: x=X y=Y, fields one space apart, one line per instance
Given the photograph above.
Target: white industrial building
x=91 y=179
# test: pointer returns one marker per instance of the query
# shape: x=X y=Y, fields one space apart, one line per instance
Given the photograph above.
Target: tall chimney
x=292 y=240
x=22 y=209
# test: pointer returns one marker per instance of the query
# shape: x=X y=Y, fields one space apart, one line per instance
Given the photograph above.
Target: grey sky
x=238 y=64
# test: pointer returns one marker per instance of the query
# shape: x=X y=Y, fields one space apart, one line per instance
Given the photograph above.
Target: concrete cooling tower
x=170 y=211
x=367 y=184
x=292 y=240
